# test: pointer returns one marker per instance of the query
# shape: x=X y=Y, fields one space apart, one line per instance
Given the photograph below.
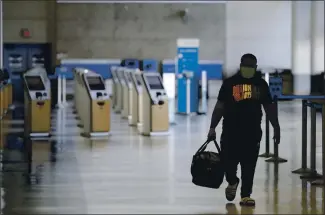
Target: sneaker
x=231 y=191
x=247 y=201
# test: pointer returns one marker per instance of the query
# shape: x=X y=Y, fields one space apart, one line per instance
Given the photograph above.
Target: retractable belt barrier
x=314 y=103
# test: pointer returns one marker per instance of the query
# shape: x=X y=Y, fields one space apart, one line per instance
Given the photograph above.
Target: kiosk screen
x=95 y=83
x=138 y=79
x=34 y=83
x=154 y=83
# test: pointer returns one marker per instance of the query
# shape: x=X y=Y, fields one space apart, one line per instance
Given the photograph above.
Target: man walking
x=239 y=103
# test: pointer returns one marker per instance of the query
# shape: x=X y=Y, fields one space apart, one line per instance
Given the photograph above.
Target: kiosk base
x=165 y=133
x=39 y=136
x=140 y=127
x=12 y=107
x=96 y=134
x=131 y=123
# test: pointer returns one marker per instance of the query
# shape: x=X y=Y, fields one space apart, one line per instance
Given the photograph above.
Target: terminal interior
x=117 y=136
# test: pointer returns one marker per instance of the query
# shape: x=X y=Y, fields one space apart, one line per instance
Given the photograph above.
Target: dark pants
x=244 y=152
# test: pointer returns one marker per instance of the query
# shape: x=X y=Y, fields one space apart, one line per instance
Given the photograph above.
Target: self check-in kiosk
x=37 y=105
x=128 y=100
x=125 y=94
x=134 y=97
x=137 y=114
x=115 y=87
x=80 y=93
x=119 y=89
x=154 y=106
x=96 y=106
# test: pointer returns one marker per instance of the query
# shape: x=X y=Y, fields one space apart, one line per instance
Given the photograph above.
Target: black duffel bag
x=207 y=169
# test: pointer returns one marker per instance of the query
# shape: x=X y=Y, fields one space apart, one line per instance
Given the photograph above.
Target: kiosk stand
x=37 y=93
x=126 y=94
x=96 y=106
x=134 y=119
x=119 y=89
x=154 y=106
x=115 y=87
x=141 y=94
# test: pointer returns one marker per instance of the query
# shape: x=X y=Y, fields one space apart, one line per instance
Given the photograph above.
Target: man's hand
x=212 y=134
x=277 y=135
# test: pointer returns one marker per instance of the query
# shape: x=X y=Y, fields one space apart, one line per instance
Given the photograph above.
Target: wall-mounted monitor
x=34 y=83
x=154 y=83
x=95 y=83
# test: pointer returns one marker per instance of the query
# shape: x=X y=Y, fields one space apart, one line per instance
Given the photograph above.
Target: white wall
x=259 y=27
x=319 y=53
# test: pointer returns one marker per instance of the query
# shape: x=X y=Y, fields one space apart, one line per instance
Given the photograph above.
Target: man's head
x=248 y=65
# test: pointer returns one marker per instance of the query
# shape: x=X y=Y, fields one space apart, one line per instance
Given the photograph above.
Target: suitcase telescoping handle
x=204 y=146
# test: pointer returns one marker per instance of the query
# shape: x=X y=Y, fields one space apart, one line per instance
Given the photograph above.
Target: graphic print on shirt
x=245 y=92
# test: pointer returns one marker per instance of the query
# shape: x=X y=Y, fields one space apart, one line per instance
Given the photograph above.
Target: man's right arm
x=217 y=114
x=218 y=111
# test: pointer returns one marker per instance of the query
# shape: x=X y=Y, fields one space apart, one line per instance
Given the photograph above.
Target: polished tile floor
x=128 y=173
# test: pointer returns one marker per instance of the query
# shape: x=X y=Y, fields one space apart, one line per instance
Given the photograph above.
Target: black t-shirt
x=243 y=99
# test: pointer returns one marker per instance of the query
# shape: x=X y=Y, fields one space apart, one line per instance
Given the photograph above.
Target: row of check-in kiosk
x=139 y=97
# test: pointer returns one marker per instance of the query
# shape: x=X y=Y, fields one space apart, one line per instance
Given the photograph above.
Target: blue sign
x=188 y=75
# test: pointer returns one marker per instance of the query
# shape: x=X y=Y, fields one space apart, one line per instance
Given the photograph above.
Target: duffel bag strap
x=204 y=146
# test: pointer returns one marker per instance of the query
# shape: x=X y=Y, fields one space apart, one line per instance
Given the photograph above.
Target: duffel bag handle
x=204 y=146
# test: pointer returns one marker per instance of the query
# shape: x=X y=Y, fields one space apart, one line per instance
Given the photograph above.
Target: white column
x=317 y=46
x=300 y=33
x=313 y=36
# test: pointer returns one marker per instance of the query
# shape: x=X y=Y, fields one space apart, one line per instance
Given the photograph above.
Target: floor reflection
x=130 y=174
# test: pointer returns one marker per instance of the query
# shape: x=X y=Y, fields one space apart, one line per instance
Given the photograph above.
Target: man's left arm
x=270 y=110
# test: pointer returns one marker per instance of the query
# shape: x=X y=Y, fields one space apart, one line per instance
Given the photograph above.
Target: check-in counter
x=80 y=92
x=125 y=93
x=94 y=104
x=119 y=89
x=136 y=92
x=115 y=87
x=154 y=106
x=37 y=105
x=127 y=96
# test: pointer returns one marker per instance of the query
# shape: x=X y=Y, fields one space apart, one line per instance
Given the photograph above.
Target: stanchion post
x=276 y=159
x=312 y=175
x=321 y=181
x=267 y=153
x=323 y=144
x=303 y=169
